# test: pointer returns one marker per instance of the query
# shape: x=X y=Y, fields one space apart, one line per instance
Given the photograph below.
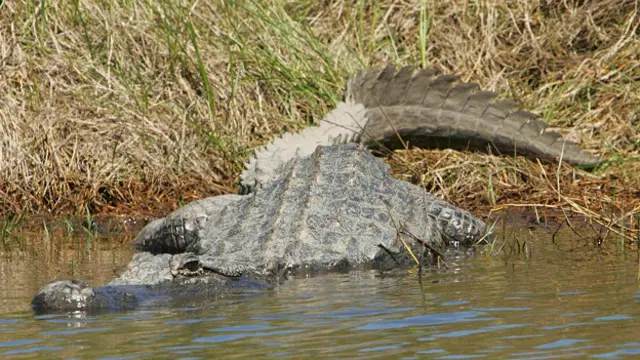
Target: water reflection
x=556 y=300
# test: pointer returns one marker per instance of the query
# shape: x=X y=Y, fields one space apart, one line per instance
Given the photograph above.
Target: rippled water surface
x=555 y=300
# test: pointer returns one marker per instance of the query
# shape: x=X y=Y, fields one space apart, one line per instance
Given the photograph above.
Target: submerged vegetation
x=131 y=107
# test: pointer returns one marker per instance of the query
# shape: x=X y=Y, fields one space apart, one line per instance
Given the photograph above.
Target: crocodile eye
x=193 y=265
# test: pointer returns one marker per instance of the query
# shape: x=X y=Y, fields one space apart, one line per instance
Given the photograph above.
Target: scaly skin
x=429 y=111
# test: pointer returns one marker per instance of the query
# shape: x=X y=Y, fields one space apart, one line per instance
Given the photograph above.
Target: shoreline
x=129 y=109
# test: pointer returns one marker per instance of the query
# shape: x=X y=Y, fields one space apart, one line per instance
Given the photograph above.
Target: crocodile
x=319 y=200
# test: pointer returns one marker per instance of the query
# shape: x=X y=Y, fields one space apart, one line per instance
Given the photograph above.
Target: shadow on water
x=547 y=293
x=36 y=251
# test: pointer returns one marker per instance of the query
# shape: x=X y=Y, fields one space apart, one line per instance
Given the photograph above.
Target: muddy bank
x=104 y=113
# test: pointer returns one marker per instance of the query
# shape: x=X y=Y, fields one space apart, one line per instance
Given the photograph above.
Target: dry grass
x=138 y=106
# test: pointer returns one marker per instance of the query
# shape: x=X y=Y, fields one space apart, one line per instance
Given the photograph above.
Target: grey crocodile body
x=315 y=204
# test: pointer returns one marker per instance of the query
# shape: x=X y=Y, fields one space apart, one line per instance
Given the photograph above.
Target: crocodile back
x=339 y=205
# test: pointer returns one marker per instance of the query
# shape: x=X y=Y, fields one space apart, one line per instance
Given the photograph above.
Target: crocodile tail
x=342 y=125
x=419 y=108
x=391 y=109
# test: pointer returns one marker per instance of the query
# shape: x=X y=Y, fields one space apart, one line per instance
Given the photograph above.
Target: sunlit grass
x=129 y=107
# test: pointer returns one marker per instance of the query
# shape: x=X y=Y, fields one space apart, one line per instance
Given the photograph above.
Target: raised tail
x=422 y=109
x=390 y=109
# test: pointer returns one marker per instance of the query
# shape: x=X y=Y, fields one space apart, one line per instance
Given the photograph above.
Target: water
x=554 y=300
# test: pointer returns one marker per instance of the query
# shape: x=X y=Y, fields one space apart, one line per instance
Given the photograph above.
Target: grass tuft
x=133 y=107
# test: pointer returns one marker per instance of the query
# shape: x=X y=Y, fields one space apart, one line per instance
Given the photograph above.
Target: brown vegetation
x=131 y=107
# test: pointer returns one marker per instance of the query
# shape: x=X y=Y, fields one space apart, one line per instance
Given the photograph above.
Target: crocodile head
x=147 y=276
x=65 y=296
